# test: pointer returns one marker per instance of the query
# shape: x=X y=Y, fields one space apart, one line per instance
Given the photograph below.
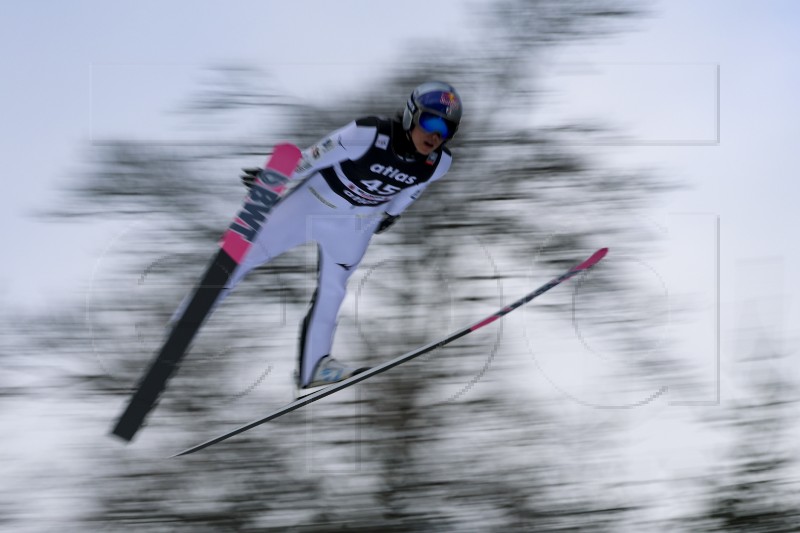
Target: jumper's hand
x=386 y=223
x=249 y=176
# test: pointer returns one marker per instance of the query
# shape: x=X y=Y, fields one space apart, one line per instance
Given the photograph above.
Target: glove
x=250 y=175
x=386 y=223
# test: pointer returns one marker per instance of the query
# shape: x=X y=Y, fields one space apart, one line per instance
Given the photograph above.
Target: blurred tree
x=756 y=480
x=438 y=446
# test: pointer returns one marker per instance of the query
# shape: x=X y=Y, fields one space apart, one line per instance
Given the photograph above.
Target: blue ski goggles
x=436 y=124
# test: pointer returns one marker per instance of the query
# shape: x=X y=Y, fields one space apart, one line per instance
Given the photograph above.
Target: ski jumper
x=347 y=181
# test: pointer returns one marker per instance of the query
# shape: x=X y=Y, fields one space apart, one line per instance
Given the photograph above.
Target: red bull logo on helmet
x=450 y=101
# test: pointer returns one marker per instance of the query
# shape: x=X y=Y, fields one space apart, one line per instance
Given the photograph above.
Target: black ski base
x=166 y=362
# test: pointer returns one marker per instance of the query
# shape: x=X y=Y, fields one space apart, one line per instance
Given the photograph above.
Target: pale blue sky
x=69 y=67
x=748 y=179
x=77 y=68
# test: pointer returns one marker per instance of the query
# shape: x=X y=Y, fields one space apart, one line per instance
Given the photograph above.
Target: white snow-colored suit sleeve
x=348 y=142
x=315 y=212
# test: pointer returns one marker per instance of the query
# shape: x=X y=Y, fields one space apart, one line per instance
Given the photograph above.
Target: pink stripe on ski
x=284 y=160
x=594 y=259
x=484 y=322
x=235 y=246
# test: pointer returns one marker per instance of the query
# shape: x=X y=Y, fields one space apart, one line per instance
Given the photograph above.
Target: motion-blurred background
x=656 y=393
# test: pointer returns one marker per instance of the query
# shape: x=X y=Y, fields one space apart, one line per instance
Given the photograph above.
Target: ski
x=336 y=387
x=234 y=245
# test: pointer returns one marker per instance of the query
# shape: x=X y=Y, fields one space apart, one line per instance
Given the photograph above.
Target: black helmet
x=435 y=106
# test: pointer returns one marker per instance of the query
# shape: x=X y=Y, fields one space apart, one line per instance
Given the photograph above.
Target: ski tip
x=594 y=259
x=187 y=451
x=126 y=428
x=125 y=438
x=284 y=158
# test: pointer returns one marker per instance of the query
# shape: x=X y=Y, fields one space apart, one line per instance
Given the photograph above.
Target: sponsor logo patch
x=260 y=200
x=393 y=173
x=313 y=153
x=449 y=99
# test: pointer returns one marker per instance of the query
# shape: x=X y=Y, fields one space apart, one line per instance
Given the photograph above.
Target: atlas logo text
x=394 y=173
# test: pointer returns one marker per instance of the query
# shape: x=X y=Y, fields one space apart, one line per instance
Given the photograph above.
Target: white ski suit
x=349 y=180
